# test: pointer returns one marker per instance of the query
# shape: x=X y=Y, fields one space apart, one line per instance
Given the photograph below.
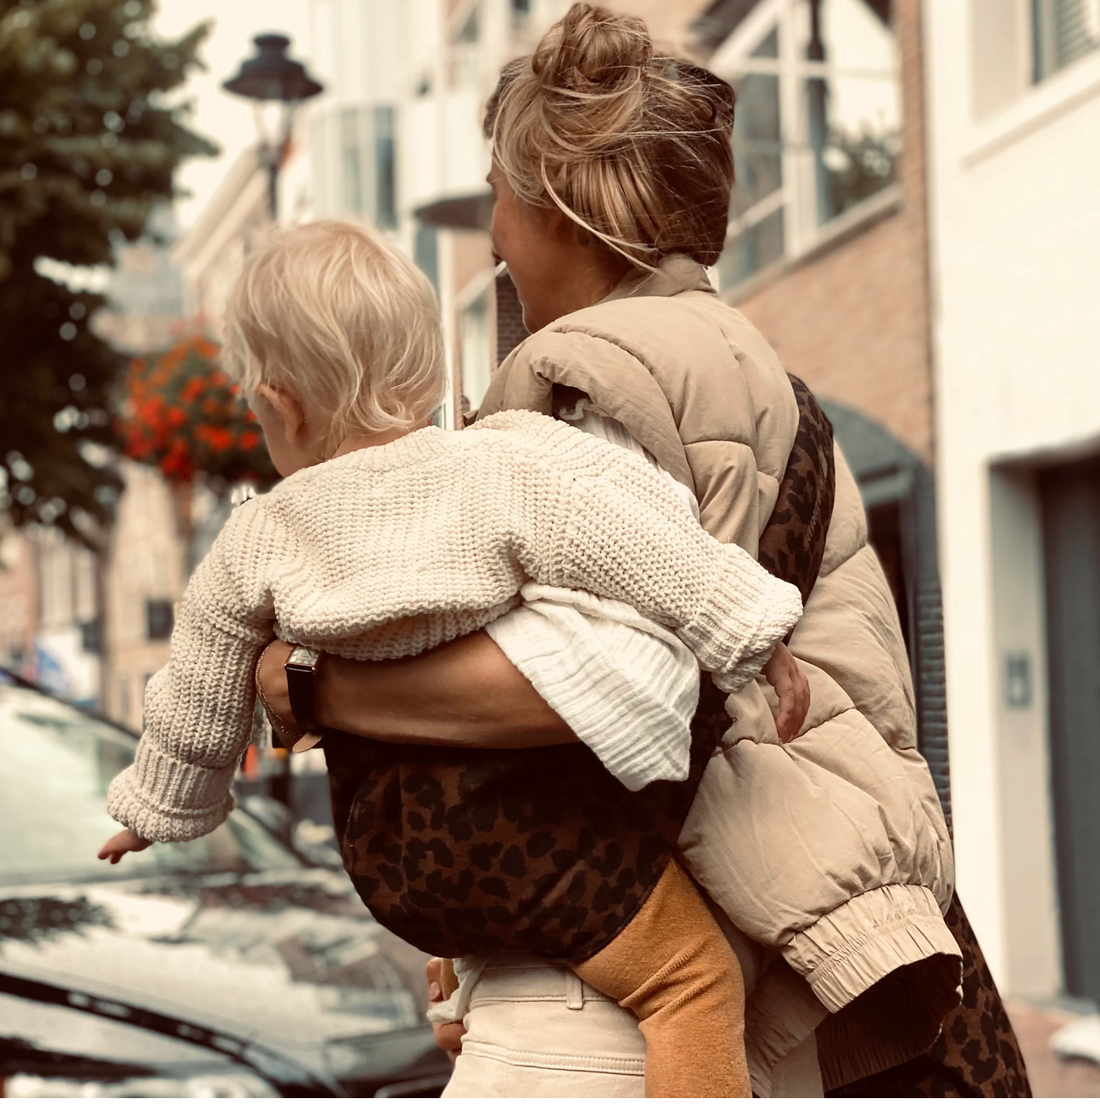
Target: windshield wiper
x=292 y=1080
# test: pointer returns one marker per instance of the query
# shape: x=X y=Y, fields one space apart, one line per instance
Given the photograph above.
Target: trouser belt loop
x=574 y=991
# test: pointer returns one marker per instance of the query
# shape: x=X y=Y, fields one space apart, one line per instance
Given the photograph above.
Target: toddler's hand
x=792 y=689
x=122 y=843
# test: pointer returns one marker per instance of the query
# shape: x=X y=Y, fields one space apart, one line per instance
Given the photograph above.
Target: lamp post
x=276 y=85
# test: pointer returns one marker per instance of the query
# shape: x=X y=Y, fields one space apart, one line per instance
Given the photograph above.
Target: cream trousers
x=534 y=1030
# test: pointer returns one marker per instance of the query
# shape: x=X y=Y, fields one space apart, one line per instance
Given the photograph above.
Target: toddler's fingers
x=795 y=705
x=787 y=708
x=785 y=726
x=449 y=1038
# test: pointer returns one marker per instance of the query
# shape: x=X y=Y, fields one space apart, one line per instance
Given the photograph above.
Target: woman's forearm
x=465 y=693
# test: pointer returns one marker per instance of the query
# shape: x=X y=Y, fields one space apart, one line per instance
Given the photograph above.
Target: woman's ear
x=289 y=410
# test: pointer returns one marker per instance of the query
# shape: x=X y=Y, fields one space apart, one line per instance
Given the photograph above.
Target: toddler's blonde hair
x=337 y=315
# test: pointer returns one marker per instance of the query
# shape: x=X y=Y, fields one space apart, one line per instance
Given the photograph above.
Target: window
x=351 y=157
x=385 y=168
x=465 y=55
x=817 y=127
x=426 y=252
x=1062 y=32
x=91 y=635
x=470 y=31
x=476 y=349
x=123 y=711
x=158 y=619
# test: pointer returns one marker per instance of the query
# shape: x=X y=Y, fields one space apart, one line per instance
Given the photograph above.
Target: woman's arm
x=465 y=693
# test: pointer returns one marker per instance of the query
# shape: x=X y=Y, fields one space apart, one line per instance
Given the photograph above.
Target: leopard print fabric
x=976 y=1054
x=466 y=852
x=793 y=543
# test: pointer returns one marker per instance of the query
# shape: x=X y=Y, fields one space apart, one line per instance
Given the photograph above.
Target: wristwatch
x=301 y=670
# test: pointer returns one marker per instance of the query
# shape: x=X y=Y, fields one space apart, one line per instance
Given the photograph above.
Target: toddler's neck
x=383 y=437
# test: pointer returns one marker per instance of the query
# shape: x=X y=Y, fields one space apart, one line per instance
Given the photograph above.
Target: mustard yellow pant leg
x=676 y=972
x=447 y=978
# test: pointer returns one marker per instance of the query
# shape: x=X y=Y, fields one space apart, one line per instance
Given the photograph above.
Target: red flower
x=192 y=389
x=181 y=412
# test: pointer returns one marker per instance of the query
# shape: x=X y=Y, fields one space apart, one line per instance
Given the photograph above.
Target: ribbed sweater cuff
x=735 y=646
x=164 y=799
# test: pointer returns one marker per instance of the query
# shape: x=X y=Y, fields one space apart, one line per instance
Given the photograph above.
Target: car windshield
x=55 y=765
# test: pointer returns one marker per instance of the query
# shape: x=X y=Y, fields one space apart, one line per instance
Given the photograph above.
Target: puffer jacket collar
x=674 y=275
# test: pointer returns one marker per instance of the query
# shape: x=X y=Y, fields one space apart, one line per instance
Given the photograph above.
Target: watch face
x=303 y=657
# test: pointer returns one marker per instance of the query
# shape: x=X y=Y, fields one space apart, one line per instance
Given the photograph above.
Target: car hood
x=290 y=959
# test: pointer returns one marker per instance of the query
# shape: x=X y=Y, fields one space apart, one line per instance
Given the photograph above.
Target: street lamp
x=276 y=85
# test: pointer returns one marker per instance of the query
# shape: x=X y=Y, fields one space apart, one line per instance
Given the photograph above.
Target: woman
x=612 y=173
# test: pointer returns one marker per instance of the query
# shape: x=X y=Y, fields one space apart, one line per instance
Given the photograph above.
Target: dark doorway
x=898 y=492
x=885 y=533
x=1071 y=546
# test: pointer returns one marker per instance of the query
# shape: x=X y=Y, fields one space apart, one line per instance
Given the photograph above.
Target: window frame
x=1044 y=64
x=797 y=195
x=384 y=165
x=1037 y=106
x=475 y=299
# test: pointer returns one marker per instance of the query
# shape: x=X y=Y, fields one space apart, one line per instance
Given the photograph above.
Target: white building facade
x=396 y=142
x=1013 y=93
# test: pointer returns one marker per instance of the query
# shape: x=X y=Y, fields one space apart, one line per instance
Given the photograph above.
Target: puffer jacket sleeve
x=833 y=847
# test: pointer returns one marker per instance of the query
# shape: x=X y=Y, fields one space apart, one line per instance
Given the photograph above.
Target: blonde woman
x=827 y=859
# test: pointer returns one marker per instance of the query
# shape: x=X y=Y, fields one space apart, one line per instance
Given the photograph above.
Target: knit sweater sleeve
x=198 y=708
x=620 y=531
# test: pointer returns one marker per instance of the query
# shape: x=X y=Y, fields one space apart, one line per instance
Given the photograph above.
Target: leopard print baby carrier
x=463 y=852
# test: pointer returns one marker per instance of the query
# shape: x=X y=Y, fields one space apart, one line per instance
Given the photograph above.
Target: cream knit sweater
x=626 y=686
x=392 y=550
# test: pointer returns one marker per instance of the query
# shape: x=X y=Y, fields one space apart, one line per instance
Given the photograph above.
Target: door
x=1071 y=540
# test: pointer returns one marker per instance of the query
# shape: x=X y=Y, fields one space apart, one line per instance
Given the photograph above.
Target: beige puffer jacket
x=831 y=849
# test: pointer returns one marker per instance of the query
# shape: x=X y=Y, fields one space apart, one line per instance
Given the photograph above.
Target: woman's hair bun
x=632 y=146
x=592 y=50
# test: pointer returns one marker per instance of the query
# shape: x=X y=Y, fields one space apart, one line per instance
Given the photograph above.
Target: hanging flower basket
x=181 y=413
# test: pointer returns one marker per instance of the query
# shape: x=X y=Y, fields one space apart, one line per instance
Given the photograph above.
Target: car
x=229 y=966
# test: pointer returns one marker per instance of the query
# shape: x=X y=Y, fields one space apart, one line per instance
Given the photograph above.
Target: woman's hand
x=448 y=1036
x=792 y=689
x=465 y=693
x=122 y=843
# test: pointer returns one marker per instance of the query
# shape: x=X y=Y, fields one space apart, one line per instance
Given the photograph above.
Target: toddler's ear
x=288 y=408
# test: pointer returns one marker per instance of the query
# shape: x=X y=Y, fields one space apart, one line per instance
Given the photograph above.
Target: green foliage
x=90 y=137
x=865 y=163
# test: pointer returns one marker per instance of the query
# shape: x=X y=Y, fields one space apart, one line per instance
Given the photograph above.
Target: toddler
x=389 y=536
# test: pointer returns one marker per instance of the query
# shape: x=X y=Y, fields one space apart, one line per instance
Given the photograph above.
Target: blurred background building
x=1014 y=108
x=916 y=230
